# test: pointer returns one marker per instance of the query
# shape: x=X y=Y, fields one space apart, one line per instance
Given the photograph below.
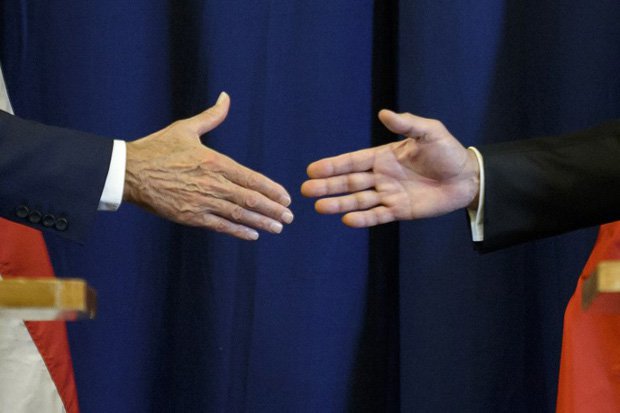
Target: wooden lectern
x=46 y=299
x=601 y=291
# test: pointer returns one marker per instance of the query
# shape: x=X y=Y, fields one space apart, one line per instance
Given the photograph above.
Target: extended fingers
x=251 y=200
x=225 y=226
x=369 y=218
x=338 y=184
x=238 y=214
x=248 y=191
x=357 y=201
x=247 y=178
x=357 y=161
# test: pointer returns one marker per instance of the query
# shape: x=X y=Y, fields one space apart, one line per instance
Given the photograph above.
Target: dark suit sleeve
x=51 y=178
x=541 y=187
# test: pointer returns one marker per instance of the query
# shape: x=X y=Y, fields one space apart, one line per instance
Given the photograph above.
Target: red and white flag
x=36 y=372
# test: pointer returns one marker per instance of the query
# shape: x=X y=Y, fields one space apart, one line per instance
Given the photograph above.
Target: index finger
x=247 y=178
x=357 y=161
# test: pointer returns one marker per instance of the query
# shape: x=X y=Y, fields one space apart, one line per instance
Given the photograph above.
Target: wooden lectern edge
x=41 y=299
x=602 y=288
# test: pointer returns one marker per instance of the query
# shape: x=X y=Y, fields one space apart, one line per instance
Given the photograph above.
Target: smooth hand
x=172 y=174
x=427 y=174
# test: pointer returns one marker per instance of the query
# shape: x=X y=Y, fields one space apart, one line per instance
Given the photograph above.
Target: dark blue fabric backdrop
x=194 y=321
x=482 y=333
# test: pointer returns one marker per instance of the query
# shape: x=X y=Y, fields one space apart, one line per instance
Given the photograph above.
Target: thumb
x=405 y=123
x=210 y=119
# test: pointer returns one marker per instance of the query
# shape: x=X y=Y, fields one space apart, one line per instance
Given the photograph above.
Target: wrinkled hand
x=427 y=174
x=172 y=174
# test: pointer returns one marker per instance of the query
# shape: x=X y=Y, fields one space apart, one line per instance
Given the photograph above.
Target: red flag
x=590 y=364
x=36 y=372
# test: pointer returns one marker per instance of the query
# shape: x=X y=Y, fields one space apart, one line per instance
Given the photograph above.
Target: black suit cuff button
x=61 y=224
x=48 y=220
x=22 y=211
x=34 y=217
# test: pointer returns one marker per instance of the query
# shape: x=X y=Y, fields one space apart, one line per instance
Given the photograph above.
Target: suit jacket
x=51 y=178
x=535 y=188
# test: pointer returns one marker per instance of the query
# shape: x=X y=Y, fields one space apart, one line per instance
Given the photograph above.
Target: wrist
x=472 y=169
x=132 y=180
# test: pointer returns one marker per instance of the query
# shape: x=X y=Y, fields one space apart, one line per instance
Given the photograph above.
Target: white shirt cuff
x=476 y=216
x=112 y=194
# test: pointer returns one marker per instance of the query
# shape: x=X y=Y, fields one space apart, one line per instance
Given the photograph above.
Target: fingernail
x=252 y=235
x=220 y=98
x=285 y=200
x=287 y=217
x=276 y=227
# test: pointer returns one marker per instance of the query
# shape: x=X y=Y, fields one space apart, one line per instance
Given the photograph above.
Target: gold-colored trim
x=46 y=299
x=604 y=282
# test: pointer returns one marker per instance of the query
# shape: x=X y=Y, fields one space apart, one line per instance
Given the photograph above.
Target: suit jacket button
x=61 y=224
x=34 y=217
x=22 y=211
x=48 y=220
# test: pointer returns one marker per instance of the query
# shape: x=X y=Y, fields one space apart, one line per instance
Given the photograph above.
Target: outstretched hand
x=172 y=174
x=427 y=174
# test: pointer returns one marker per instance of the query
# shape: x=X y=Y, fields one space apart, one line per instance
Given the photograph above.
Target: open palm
x=428 y=174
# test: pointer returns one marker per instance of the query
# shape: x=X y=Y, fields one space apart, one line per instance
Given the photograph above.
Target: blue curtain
x=483 y=333
x=320 y=318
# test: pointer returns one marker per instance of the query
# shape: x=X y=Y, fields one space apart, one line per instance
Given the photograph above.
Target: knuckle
x=358 y=201
x=220 y=226
x=208 y=221
x=210 y=115
x=214 y=111
x=213 y=223
x=251 y=181
x=354 y=181
x=251 y=201
x=237 y=213
x=434 y=124
x=176 y=124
